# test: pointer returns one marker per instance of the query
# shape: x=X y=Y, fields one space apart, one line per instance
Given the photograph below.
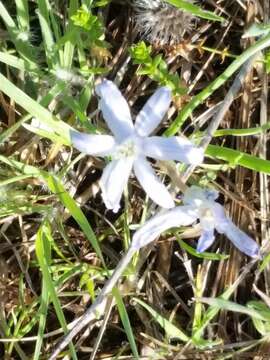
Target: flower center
x=206 y=217
x=206 y=213
x=128 y=148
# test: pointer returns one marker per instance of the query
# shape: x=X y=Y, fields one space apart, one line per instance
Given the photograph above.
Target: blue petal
x=241 y=240
x=153 y=111
x=113 y=181
x=99 y=145
x=179 y=216
x=173 y=148
x=115 y=110
x=151 y=184
x=206 y=240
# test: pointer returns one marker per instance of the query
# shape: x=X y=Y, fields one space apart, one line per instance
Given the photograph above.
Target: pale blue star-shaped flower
x=199 y=204
x=131 y=144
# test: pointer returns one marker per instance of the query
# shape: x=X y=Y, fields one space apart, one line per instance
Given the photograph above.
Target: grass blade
x=23 y=47
x=243 y=132
x=126 y=323
x=214 y=85
x=57 y=188
x=171 y=330
x=43 y=252
x=195 y=10
x=222 y=304
x=47 y=34
x=42 y=319
x=235 y=157
x=61 y=129
x=22 y=14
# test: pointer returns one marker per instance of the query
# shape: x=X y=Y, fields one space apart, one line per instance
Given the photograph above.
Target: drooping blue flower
x=199 y=204
x=131 y=144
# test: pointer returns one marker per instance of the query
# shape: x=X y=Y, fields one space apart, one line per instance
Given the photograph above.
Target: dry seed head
x=160 y=22
x=69 y=76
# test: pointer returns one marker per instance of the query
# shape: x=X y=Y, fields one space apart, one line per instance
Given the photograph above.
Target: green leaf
x=156 y=68
x=195 y=10
x=204 y=255
x=23 y=47
x=22 y=14
x=267 y=61
x=235 y=157
x=243 y=132
x=232 y=306
x=42 y=319
x=57 y=188
x=43 y=252
x=171 y=330
x=6 y=134
x=47 y=33
x=141 y=53
x=88 y=22
x=263 y=327
x=265 y=262
x=69 y=46
x=125 y=321
x=214 y=85
x=61 y=129
x=14 y=61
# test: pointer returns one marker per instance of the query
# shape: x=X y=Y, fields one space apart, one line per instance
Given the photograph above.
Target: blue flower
x=199 y=204
x=131 y=144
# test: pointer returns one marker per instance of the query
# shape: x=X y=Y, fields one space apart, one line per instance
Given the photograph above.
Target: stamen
x=126 y=149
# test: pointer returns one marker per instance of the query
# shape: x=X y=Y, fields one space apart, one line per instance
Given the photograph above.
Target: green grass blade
x=211 y=312
x=262 y=326
x=5 y=329
x=6 y=134
x=22 y=47
x=13 y=61
x=235 y=157
x=205 y=255
x=61 y=129
x=195 y=10
x=43 y=253
x=126 y=323
x=14 y=179
x=23 y=14
x=220 y=80
x=222 y=304
x=9 y=22
x=171 y=330
x=57 y=188
x=42 y=319
x=243 y=132
x=69 y=45
x=47 y=33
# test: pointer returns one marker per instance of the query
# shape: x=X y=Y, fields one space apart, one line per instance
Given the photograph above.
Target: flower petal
x=206 y=240
x=100 y=145
x=113 y=180
x=115 y=110
x=221 y=219
x=179 y=216
x=151 y=184
x=153 y=111
x=242 y=241
x=173 y=148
